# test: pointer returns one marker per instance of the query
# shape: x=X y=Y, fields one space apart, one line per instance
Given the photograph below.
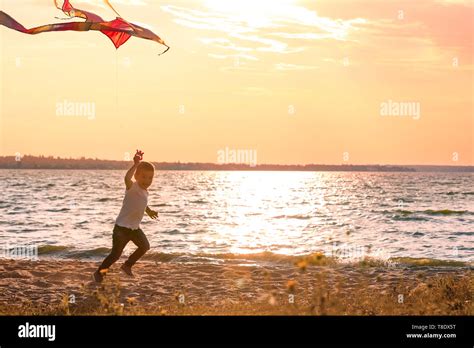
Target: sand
x=48 y=286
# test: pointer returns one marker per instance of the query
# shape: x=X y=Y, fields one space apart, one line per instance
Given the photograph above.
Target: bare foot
x=127 y=269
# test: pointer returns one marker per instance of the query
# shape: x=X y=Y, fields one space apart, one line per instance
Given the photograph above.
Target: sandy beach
x=65 y=287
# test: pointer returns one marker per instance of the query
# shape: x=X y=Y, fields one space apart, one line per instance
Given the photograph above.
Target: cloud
x=255 y=91
x=455 y=2
x=235 y=57
x=247 y=26
x=293 y=67
x=430 y=35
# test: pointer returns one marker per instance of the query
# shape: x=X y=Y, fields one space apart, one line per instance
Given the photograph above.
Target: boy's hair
x=145 y=166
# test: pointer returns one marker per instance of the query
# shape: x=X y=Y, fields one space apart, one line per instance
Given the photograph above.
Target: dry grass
x=432 y=295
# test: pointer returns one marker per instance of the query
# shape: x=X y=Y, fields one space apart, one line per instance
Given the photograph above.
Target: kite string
x=116 y=80
x=112 y=8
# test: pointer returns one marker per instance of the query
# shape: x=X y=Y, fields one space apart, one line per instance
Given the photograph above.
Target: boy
x=127 y=224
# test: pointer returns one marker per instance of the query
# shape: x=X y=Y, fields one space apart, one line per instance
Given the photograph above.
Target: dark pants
x=120 y=239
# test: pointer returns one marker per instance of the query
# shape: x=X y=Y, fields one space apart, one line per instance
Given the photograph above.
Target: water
x=218 y=215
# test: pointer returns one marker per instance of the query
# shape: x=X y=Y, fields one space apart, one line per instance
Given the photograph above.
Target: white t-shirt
x=133 y=207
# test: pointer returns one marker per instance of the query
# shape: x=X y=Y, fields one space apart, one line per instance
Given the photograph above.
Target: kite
x=118 y=30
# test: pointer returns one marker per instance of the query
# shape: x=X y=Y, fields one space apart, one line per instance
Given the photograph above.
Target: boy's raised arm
x=131 y=171
x=129 y=176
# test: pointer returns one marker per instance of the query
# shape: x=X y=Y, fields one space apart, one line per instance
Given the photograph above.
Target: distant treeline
x=50 y=162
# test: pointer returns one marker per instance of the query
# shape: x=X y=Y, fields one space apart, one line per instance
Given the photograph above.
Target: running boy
x=127 y=224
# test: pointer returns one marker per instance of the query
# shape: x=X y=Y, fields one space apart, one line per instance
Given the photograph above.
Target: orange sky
x=296 y=81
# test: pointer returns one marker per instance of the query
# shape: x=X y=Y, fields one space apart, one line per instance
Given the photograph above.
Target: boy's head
x=144 y=174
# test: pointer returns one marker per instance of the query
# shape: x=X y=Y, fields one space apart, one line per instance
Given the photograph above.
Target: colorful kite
x=119 y=30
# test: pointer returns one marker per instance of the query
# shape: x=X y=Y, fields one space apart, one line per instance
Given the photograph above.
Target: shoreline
x=69 y=253
x=83 y=163
x=65 y=287
x=449 y=169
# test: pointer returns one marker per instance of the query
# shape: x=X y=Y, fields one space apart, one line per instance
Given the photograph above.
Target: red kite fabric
x=118 y=31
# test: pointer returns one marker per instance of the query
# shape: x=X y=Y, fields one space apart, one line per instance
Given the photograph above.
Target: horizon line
x=245 y=164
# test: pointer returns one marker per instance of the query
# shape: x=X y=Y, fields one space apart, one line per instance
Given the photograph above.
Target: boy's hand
x=138 y=157
x=152 y=214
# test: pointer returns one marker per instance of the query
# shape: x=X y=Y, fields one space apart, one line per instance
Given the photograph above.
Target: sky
x=292 y=81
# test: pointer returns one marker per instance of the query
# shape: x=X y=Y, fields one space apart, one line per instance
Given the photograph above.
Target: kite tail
x=166 y=50
x=11 y=23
